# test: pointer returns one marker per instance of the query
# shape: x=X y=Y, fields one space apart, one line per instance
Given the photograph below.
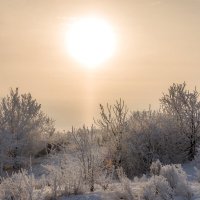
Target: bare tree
x=88 y=153
x=114 y=123
x=184 y=106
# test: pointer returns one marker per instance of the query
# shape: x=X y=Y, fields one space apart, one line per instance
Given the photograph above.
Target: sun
x=90 y=41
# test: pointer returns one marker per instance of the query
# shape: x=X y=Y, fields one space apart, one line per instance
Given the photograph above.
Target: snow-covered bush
x=126 y=184
x=151 y=135
x=22 y=186
x=89 y=154
x=64 y=177
x=184 y=190
x=177 y=179
x=157 y=188
x=104 y=180
x=173 y=174
x=155 y=168
x=143 y=178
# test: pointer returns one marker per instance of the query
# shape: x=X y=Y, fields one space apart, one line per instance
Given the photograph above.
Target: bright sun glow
x=90 y=41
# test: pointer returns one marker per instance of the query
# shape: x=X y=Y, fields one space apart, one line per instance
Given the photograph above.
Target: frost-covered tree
x=89 y=154
x=24 y=128
x=113 y=122
x=144 y=142
x=184 y=106
x=151 y=135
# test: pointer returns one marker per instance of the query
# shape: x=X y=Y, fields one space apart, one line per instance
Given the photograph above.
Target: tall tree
x=184 y=106
x=22 y=125
x=113 y=122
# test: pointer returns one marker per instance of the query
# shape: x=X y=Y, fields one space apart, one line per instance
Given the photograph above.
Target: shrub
x=151 y=135
x=21 y=186
x=104 y=180
x=157 y=188
x=155 y=168
x=64 y=177
x=177 y=179
x=184 y=190
x=88 y=153
x=143 y=178
x=126 y=184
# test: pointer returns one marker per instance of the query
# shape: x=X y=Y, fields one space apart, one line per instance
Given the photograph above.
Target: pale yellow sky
x=158 y=44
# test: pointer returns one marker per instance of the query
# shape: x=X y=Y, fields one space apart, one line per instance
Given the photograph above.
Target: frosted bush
x=173 y=174
x=184 y=190
x=126 y=184
x=177 y=179
x=157 y=188
x=104 y=180
x=64 y=178
x=143 y=178
x=155 y=168
x=89 y=154
x=21 y=186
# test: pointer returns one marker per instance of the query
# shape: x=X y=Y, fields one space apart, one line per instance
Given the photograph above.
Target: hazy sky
x=158 y=44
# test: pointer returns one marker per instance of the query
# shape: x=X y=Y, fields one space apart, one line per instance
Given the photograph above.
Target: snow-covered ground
x=117 y=193
x=190 y=170
x=95 y=196
x=188 y=189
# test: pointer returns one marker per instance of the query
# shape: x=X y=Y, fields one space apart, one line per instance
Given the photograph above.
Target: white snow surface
x=190 y=170
x=117 y=194
x=95 y=196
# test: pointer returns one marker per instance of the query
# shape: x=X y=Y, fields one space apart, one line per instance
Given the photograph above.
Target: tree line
x=119 y=138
